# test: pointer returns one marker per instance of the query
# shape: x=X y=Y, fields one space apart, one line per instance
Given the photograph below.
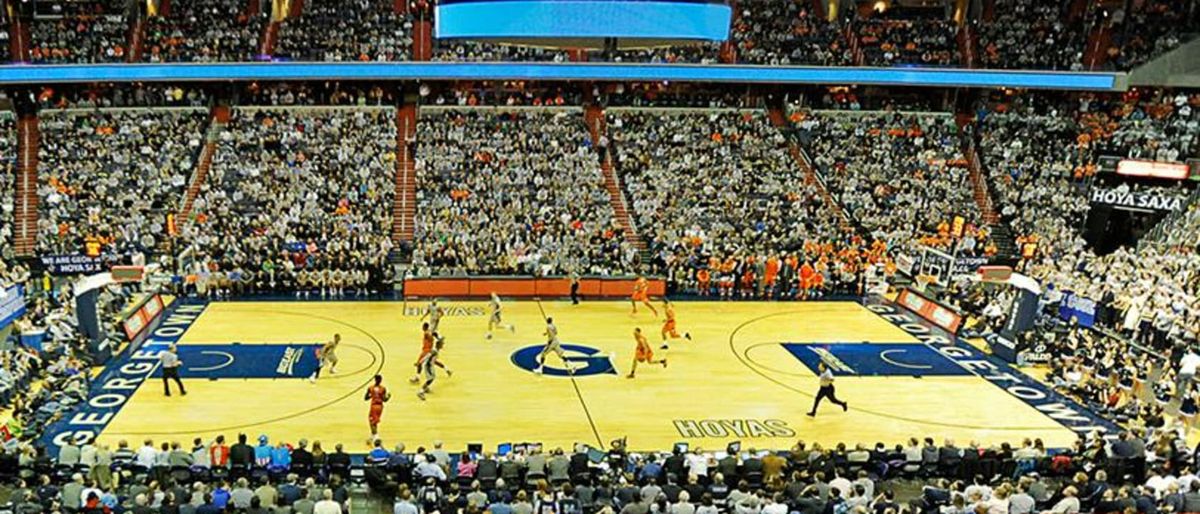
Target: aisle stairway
x=1001 y=235
x=25 y=203
x=597 y=126
x=218 y=117
x=811 y=175
x=404 y=203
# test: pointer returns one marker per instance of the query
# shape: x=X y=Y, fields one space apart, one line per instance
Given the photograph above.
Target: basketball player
x=668 y=328
x=643 y=353
x=427 y=340
x=641 y=295
x=434 y=313
x=826 y=391
x=327 y=355
x=428 y=364
x=553 y=345
x=377 y=395
x=495 y=320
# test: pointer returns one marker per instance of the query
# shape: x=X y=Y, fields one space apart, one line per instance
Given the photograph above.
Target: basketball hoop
x=923 y=280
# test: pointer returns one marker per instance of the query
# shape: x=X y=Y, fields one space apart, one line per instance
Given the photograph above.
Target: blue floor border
x=1063 y=410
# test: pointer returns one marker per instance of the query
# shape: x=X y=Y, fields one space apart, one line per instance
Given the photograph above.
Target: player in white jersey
x=429 y=364
x=434 y=313
x=327 y=356
x=553 y=345
x=496 y=321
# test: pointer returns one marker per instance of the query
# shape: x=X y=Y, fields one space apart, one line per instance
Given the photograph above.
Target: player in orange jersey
x=668 y=328
x=427 y=339
x=641 y=294
x=643 y=353
x=703 y=279
x=377 y=395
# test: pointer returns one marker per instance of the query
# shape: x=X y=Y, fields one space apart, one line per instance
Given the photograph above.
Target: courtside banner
x=934 y=312
x=12 y=305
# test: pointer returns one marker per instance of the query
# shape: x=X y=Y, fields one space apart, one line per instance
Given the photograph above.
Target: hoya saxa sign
x=1137 y=200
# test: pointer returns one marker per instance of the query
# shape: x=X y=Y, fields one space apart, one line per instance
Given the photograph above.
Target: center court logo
x=583 y=361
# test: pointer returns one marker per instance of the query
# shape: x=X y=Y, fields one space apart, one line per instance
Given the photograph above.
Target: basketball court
x=747 y=375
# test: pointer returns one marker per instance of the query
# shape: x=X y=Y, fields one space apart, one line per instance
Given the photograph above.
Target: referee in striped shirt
x=826 y=391
x=169 y=361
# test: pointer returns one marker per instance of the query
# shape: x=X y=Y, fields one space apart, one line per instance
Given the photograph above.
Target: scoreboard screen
x=583 y=19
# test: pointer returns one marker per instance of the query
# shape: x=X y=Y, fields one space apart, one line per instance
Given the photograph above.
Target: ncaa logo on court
x=583 y=361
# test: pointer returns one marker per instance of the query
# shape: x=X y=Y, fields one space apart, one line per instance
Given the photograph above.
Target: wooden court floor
x=734 y=381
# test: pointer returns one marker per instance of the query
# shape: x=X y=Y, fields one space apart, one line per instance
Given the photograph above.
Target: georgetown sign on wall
x=1136 y=200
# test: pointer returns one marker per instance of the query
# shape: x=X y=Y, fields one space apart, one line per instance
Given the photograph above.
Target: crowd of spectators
x=1154 y=125
x=513 y=191
x=107 y=179
x=461 y=50
x=8 y=176
x=783 y=34
x=297 y=200
x=724 y=207
x=922 y=42
x=1150 y=29
x=1028 y=34
x=122 y=95
x=902 y=176
x=80 y=33
x=346 y=30
x=1036 y=171
x=323 y=93
x=204 y=31
x=1145 y=469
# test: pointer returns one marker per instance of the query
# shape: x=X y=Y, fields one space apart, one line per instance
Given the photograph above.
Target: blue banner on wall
x=1078 y=307
x=12 y=305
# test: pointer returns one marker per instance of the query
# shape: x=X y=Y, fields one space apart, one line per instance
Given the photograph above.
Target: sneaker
x=664 y=346
x=811 y=414
x=421 y=395
x=664 y=363
x=312 y=379
x=687 y=335
x=449 y=373
x=629 y=375
x=845 y=406
x=512 y=329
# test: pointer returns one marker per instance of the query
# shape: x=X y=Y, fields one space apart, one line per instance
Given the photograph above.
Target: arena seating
x=8 y=165
x=109 y=178
x=788 y=33
x=84 y=32
x=298 y=200
x=1027 y=34
x=339 y=30
x=890 y=42
x=1036 y=171
x=204 y=31
x=901 y=175
x=718 y=188
x=517 y=191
